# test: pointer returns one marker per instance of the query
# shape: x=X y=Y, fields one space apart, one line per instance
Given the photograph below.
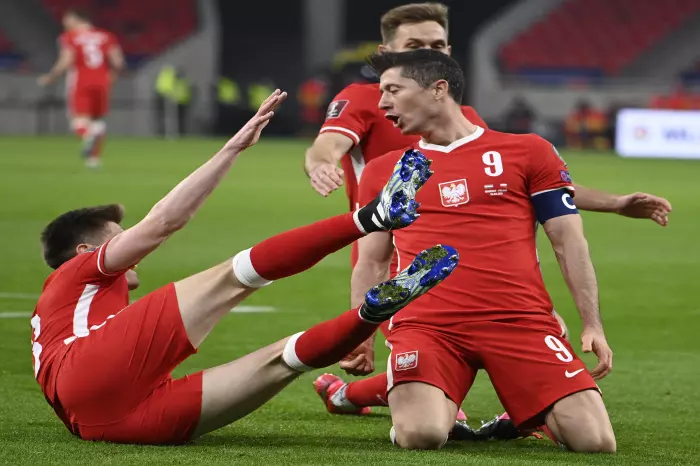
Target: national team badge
x=454 y=193
x=336 y=108
x=406 y=361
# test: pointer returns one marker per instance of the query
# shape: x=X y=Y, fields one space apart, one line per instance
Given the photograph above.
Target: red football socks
x=297 y=250
x=368 y=392
x=328 y=342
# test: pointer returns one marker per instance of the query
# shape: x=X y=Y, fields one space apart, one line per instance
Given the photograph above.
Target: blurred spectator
x=519 y=117
x=312 y=96
x=681 y=98
x=586 y=128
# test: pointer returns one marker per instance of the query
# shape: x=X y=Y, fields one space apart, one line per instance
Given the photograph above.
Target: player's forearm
x=576 y=266
x=595 y=201
x=365 y=275
x=322 y=152
x=176 y=209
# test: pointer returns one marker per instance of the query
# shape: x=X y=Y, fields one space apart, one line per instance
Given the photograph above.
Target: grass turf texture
x=647 y=275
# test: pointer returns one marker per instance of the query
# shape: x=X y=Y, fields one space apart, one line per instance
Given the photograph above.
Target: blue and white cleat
x=396 y=207
x=428 y=269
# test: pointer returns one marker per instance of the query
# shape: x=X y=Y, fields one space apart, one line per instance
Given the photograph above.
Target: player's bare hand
x=593 y=339
x=326 y=178
x=250 y=133
x=562 y=324
x=361 y=360
x=643 y=205
x=44 y=80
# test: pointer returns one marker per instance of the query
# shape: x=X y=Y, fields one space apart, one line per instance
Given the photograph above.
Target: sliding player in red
x=104 y=365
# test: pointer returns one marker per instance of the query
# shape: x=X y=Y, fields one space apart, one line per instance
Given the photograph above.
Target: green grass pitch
x=648 y=279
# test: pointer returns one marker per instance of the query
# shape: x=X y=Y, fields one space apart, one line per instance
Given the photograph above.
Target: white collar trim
x=459 y=142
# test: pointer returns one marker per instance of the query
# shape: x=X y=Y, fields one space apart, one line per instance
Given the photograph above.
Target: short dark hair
x=411 y=14
x=78 y=13
x=60 y=237
x=424 y=66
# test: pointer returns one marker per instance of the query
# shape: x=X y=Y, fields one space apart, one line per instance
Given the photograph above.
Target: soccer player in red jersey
x=104 y=365
x=92 y=57
x=489 y=193
x=356 y=132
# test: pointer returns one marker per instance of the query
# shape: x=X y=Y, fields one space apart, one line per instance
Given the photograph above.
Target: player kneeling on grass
x=489 y=192
x=104 y=365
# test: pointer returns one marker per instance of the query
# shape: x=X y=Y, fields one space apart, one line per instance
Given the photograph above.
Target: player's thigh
x=169 y=415
x=530 y=365
x=120 y=362
x=581 y=422
x=428 y=377
x=232 y=391
x=79 y=104
x=204 y=298
x=99 y=101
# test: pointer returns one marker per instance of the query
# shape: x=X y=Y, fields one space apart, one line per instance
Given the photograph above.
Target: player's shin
x=328 y=342
x=368 y=392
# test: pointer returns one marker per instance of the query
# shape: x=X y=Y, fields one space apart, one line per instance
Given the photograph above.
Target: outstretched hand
x=643 y=205
x=250 y=133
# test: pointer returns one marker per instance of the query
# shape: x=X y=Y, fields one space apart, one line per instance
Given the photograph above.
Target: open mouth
x=393 y=118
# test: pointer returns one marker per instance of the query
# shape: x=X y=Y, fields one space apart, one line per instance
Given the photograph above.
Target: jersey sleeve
x=351 y=112
x=89 y=267
x=474 y=117
x=547 y=170
x=64 y=41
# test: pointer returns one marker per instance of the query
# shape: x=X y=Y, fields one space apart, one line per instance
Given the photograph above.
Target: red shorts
x=530 y=365
x=92 y=101
x=115 y=383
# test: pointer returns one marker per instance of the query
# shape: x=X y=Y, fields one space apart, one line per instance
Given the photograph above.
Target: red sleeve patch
x=335 y=109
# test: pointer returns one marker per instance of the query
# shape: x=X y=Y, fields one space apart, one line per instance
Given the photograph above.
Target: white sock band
x=289 y=355
x=245 y=272
x=356 y=218
x=98 y=127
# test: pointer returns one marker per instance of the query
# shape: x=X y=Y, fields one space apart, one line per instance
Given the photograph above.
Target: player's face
x=69 y=22
x=426 y=35
x=405 y=103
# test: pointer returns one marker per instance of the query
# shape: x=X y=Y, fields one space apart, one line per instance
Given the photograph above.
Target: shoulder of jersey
x=364 y=89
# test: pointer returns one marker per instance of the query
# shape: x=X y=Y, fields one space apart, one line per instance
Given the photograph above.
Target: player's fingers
x=268 y=102
x=326 y=181
x=335 y=178
x=586 y=343
x=319 y=188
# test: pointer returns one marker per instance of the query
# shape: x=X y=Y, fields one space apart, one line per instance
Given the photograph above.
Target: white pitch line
x=14 y=314
x=19 y=296
x=235 y=310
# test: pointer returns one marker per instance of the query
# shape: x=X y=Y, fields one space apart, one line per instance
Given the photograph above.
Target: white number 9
x=557 y=346
x=493 y=162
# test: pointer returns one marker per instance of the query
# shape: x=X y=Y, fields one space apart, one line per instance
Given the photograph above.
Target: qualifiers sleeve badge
x=336 y=108
x=565 y=176
x=559 y=155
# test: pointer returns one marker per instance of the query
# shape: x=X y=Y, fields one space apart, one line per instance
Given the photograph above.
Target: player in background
x=489 y=193
x=355 y=132
x=104 y=365
x=92 y=59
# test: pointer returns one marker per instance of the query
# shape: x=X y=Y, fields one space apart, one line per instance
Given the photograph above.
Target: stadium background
x=561 y=68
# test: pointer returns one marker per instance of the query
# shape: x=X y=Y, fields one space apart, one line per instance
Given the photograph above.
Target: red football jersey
x=77 y=297
x=355 y=113
x=91 y=67
x=479 y=202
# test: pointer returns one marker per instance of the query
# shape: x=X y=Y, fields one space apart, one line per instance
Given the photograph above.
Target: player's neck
x=448 y=127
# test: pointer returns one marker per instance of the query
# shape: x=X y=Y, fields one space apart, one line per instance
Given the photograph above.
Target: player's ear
x=441 y=89
x=83 y=247
x=383 y=48
x=449 y=50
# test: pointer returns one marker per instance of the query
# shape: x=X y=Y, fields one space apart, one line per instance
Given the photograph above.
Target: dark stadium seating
x=591 y=38
x=144 y=27
x=9 y=57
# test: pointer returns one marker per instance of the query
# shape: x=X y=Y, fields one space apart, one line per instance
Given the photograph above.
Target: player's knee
x=420 y=436
x=594 y=441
